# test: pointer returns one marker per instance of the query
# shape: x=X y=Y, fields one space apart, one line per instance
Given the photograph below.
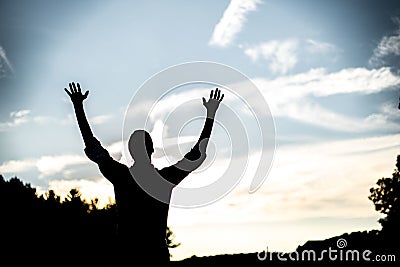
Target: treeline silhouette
x=45 y=230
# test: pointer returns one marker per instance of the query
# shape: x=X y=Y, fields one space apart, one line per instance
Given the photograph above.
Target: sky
x=328 y=70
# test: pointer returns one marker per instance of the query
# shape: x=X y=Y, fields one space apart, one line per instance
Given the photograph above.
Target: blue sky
x=329 y=71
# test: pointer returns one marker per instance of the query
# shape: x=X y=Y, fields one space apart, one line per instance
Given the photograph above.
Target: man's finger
x=219 y=94
x=211 y=94
x=222 y=97
x=204 y=101
x=216 y=93
x=65 y=89
x=79 y=88
x=86 y=93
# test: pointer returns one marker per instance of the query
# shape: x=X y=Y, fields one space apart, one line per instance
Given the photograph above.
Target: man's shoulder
x=164 y=170
x=114 y=165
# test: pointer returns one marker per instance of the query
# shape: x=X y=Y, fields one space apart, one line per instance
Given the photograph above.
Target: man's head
x=141 y=145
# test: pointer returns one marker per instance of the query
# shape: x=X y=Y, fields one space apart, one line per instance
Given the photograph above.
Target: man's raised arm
x=197 y=154
x=93 y=149
x=75 y=93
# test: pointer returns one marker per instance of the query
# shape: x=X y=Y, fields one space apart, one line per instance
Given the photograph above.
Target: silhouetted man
x=142 y=219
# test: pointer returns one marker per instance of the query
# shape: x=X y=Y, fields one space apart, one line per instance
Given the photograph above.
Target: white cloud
x=20 y=117
x=298 y=178
x=322 y=50
x=20 y=113
x=43 y=119
x=280 y=55
x=170 y=103
x=296 y=96
x=17 y=118
x=388 y=45
x=48 y=165
x=17 y=166
x=157 y=133
x=24 y=116
x=116 y=150
x=232 y=21
x=6 y=68
x=318 y=82
x=290 y=96
x=314 y=46
x=100 y=119
x=312 y=113
x=99 y=188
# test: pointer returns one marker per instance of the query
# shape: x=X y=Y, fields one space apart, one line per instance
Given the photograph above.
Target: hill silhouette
x=46 y=230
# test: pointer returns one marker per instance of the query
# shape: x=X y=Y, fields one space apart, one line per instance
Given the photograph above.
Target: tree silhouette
x=170 y=240
x=385 y=197
x=47 y=230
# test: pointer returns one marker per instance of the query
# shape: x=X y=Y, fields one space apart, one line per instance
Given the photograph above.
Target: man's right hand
x=213 y=103
x=75 y=93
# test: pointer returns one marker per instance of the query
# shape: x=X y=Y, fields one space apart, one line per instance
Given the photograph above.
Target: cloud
x=22 y=117
x=46 y=165
x=20 y=113
x=116 y=150
x=296 y=96
x=49 y=165
x=17 y=166
x=232 y=21
x=49 y=119
x=311 y=113
x=314 y=46
x=280 y=55
x=100 y=119
x=316 y=49
x=388 y=45
x=18 y=117
x=325 y=179
x=6 y=68
x=317 y=82
x=99 y=188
